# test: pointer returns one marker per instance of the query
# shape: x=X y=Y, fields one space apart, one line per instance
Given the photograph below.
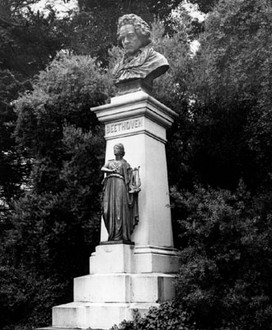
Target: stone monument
x=135 y=264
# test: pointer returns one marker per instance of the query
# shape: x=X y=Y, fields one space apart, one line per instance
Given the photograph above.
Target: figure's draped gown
x=120 y=211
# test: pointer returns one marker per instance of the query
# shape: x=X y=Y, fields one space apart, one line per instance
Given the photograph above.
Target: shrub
x=226 y=258
x=168 y=316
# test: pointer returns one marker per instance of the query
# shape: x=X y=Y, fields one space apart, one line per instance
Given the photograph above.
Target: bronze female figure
x=120 y=197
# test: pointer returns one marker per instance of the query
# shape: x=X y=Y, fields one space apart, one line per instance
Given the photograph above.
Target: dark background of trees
x=52 y=70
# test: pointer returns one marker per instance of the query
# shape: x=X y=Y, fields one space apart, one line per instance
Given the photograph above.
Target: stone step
x=52 y=328
x=124 y=288
x=83 y=315
x=123 y=258
x=58 y=328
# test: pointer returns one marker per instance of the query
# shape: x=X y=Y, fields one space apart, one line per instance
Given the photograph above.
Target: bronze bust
x=140 y=62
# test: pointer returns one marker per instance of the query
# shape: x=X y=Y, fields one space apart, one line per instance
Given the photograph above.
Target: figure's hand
x=115 y=169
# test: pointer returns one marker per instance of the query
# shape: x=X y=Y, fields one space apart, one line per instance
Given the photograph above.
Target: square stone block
x=112 y=258
x=90 y=315
x=103 y=288
x=152 y=288
x=149 y=259
x=72 y=315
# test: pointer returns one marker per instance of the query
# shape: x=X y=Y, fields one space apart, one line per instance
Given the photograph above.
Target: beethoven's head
x=133 y=33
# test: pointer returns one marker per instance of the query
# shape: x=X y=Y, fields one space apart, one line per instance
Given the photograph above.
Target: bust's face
x=129 y=39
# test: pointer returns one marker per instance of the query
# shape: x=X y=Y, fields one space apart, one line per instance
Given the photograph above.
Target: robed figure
x=120 y=197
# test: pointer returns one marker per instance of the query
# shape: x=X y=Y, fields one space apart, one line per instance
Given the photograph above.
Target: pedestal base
x=119 y=258
x=122 y=279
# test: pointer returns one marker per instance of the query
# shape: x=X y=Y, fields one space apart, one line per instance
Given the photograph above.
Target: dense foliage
x=28 y=42
x=223 y=137
x=223 y=97
x=54 y=226
x=224 y=278
x=169 y=315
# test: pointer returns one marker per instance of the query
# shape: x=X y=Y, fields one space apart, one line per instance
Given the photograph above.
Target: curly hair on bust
x=142 y=29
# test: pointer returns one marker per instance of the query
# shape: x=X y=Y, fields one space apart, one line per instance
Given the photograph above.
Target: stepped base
x=122 y=278
x=124 y=288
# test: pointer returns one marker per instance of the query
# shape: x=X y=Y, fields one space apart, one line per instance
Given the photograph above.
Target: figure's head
x=133 y=33
x=119 y=149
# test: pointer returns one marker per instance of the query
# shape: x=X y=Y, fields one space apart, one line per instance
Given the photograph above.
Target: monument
x=134 y=265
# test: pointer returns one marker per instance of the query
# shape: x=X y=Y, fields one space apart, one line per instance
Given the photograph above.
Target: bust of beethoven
x=140 y=62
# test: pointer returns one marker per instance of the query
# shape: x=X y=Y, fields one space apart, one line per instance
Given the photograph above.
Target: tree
x=55 y=225
x=225 y=234
x=227 y=93
x=28 y=42
x=12 y=170
x=205 y=5
x=236 y=64
x=225 y=258
x=95 y=25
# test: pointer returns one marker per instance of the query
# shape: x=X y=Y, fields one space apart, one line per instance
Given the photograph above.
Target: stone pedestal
x=121 y=280
x=139 y=121
x=125 y=277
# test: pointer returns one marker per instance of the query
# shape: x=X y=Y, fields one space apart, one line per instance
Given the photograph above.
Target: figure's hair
x=121 y=147
x=142 y=29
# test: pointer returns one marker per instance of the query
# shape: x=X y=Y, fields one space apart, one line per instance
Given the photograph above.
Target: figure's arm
x=106 y=168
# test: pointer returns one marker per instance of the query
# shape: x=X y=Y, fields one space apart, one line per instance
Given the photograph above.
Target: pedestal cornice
x=135 y=105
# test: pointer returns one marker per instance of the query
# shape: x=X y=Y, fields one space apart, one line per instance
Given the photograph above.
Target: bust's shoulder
x=156 y=63
x=160 y=58
x=147 y=61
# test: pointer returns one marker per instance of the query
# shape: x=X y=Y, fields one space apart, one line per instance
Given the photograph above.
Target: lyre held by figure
x=120 y=196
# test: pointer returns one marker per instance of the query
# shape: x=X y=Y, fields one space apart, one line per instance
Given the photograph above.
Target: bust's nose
x=125 y=41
